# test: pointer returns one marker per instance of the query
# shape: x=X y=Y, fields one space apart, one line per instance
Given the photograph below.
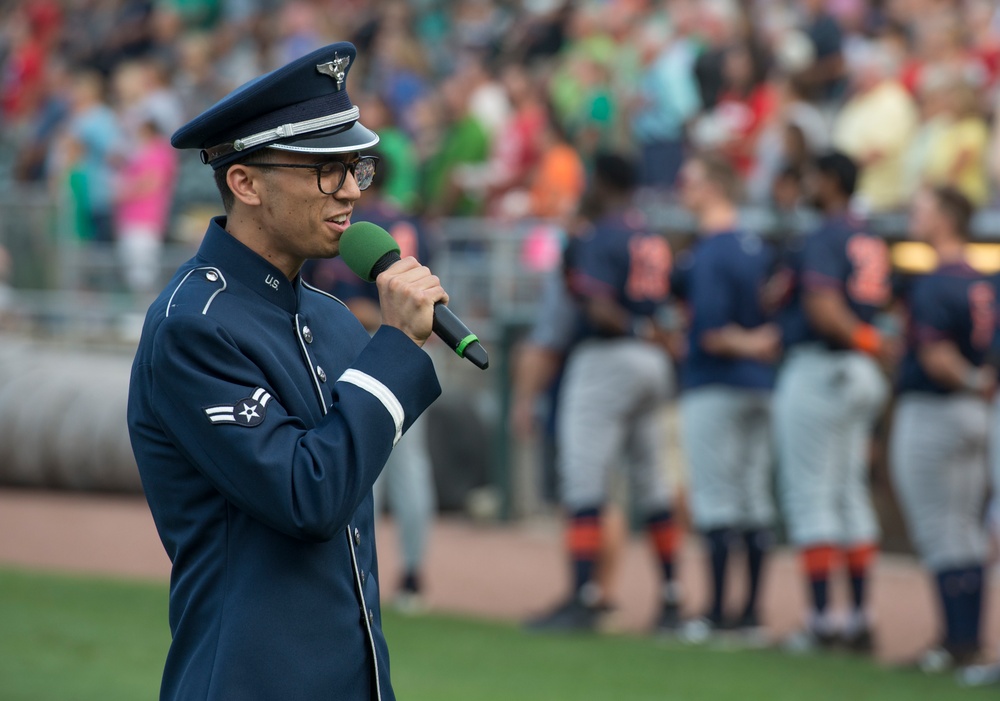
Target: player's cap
x=302 y=106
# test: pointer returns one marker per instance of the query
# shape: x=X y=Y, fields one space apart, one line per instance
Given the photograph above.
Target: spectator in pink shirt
x=143 y=195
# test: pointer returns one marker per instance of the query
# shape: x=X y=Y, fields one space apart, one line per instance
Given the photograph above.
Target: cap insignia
x=336 y=69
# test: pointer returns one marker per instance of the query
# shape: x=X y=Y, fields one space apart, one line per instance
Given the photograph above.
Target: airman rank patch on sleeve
x=246 y=412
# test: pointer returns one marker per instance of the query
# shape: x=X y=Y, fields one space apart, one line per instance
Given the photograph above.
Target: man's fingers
x=408 y=273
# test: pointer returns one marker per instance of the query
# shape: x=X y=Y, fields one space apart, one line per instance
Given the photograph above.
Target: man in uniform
x=617 y=380
x=828 y=396
x=726 y=378
x=261 y=412
x=939 y=437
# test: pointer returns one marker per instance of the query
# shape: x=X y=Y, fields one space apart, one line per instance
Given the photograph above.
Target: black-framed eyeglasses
x=331 y=174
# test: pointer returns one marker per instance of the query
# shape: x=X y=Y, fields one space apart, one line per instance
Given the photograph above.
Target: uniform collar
x=221 y=249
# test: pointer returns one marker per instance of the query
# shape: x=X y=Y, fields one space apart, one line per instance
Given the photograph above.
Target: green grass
x=77 y=639
x=82 y=639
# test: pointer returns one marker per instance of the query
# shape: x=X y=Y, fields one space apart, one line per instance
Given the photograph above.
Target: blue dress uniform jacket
x=260 y=414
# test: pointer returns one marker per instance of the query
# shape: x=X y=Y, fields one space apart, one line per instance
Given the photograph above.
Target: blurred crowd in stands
x=497 y=107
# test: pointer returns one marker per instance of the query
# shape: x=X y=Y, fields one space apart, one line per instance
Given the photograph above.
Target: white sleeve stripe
x=380 y=392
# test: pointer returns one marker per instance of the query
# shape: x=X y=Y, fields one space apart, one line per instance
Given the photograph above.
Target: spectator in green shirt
x=400 y=186
x=464 y=141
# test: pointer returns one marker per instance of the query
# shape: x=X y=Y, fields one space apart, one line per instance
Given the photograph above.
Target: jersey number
x=648 y=268
x=982 y=311
x=869 y=280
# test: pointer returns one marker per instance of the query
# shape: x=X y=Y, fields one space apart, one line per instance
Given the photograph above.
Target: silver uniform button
x=357 y=537
x=321 y=373
x=371 y=617
x=212 y=276
x=307 y=334
x=362 y=577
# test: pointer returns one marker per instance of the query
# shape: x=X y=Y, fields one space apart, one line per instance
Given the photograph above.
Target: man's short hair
x=615 y=171
x=956 y=207
x=841 y=169
x=265 y=155
x=720 y=173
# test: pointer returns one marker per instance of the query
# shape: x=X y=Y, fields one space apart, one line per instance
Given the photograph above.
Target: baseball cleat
x=944 y=658
x=936 y=661
x=747 y=631
x=698 y=631
x=809 y=640
x=570 y=616
x=860 y=641
x=409 y=600
x=979 y=675
x=668 y=622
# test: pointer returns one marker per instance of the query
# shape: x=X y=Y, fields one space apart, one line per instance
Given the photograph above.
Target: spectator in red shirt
x=746 y=104
x=982 y=24
x=31 y=31
x=517 y=151
x=940 y=42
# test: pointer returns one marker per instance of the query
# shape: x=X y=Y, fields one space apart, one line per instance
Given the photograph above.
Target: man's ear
x=244 y=183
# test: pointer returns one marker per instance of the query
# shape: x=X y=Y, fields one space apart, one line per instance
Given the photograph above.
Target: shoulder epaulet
x=196 y=291
x=307 y=286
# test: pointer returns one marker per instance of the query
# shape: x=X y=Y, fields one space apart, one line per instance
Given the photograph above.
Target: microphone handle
x=457 y=336
x=448 y=327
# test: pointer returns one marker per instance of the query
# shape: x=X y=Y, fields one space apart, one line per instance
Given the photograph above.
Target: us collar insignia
x=336 y=69
x=246 y=412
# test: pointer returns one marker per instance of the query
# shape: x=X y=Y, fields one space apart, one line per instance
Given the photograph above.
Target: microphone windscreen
x=362 y=245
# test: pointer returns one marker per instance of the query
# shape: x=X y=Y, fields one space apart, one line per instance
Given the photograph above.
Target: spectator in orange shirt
x=560 y=177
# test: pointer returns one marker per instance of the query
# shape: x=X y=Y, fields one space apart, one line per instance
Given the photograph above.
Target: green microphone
x=369 y=250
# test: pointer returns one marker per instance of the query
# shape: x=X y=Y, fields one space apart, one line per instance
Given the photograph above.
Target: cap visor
x=354 y=138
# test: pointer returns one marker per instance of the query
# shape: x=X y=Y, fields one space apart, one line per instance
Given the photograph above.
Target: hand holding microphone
x=412 y=298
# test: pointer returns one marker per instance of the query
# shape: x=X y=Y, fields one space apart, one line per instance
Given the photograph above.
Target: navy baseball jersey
x=261 y=414
x=332 y=274
x=993 y=355
x=620 y=260
x=954 y=303
x=721 y=281
x=840 y=256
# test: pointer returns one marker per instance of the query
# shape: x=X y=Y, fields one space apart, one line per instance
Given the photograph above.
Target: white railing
x=492 y=269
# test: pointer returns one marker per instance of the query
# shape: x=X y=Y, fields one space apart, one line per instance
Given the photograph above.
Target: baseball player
x=261 y=412
x=616 y=380
x=726 y=380
x=828 y=396
x=939 y=435
x=988 y=673
x=407 y=479
x=538 y=369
